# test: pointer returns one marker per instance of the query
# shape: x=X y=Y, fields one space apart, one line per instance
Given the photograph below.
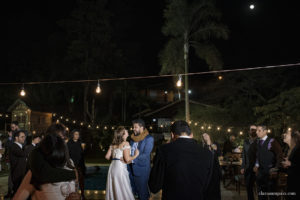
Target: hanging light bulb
x=22 y=92
x=179 y=82
x=98 y=89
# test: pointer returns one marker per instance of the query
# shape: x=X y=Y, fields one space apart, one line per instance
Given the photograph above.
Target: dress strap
x=126 y=147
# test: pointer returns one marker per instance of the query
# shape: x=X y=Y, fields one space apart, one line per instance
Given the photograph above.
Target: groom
x=139 y=169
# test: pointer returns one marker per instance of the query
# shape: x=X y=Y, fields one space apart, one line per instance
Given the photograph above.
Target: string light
x=229 y=130
x=202 y=127
x=98 y=89
x=97 y=127
x=81 y=123
x=22 y=92
x=150 y=127
x=252 y=6
x=289 y=129
x=105 y=127
x=220 y=77
x=196 y=124
x=241 y=133
x=74 y=122
x=269 y=131
x=67 y=120
x=209 y=127
x=179 y=82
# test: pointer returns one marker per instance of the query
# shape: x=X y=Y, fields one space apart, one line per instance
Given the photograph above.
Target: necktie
x=261 y=142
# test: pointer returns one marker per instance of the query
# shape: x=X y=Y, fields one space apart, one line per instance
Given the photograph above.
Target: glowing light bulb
x=241 y=133
x=98 y=89
x=22 y=92
x=179 y=82
x=252 y=6
x=220 y=77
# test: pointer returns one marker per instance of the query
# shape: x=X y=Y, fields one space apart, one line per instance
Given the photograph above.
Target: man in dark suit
x=35 y=141
x=182 y=168
x=269 y=157
x=248 y=162
x=17 y=159
x=229 y=145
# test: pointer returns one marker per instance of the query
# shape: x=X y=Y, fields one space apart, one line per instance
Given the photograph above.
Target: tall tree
x=92 y=52
x=191 y=24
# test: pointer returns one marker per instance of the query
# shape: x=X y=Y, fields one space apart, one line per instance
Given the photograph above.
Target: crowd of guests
x=49 y=166
x=52 y=166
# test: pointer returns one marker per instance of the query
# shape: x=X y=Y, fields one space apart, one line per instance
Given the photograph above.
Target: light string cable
x=154 y=76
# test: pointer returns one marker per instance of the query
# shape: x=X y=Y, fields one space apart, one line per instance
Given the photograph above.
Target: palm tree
x=191 y=23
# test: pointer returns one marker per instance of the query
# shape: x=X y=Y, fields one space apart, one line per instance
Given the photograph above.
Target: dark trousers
x=265 y=185
x=249 y=181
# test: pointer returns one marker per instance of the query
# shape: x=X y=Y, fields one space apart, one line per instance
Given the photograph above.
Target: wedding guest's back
x=54 y=151
x=182 y=168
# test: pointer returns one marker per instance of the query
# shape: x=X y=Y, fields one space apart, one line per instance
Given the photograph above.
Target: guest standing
x=213 y=190
x=181 y=168
x=269 y=157
x=14 y=126
x=35 y=141
x=229 y=145
x=54 y=151
x=42 y=171
x=248 y=161
x=17 y=159
x=77 y=156
x=292 y=163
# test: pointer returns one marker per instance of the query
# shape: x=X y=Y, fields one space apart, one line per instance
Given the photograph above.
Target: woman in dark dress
x=76 y=154
x=292 y=163
x=213 y=190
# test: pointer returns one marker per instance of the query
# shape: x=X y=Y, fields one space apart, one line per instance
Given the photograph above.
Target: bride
x=118 y=183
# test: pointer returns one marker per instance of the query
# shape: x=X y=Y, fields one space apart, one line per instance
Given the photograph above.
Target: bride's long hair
x=118 y=135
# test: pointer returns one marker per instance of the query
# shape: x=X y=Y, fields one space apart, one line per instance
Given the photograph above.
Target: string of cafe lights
x=204 y=127
x=178 y=83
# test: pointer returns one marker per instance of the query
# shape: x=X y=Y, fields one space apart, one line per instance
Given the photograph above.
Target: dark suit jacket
x=18 y=163
x=28 y=149
x=249 y=155
x=182 y=169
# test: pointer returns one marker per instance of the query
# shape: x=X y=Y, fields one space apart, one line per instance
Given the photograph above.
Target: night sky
x=269 y=34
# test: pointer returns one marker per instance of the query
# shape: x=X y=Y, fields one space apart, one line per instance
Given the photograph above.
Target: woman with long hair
x=77 y=156
x=53 y=149
x=292 y=163
x=118 y=183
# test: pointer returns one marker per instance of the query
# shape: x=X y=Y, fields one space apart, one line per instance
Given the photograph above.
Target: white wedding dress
x=118 y=184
